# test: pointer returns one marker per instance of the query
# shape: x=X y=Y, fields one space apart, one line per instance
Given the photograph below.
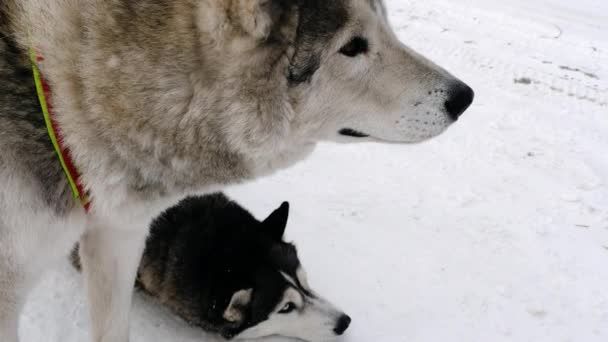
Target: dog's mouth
x=349 y=132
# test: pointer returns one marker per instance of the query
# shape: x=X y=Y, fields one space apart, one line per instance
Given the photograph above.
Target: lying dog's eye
x=355 y=47
x=288 y=308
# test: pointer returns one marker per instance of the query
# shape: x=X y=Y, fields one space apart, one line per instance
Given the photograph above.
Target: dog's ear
x=235 y=313
x=258 y=17
x=276 y=223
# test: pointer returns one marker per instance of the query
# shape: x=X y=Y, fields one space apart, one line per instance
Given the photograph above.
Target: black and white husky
x=213 y=264
x=157 y=100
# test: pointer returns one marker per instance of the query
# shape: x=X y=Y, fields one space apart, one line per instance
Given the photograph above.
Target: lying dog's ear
x=239 y=302
x=258 y=17
x=276 y=223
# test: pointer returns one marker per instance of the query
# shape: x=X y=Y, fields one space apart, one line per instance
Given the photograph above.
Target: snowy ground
x=496 y=231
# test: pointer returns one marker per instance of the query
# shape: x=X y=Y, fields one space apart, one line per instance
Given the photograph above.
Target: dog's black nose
x=460 y=98
x=343 y=324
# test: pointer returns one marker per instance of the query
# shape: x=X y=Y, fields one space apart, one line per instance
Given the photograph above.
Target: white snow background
x=495 y=231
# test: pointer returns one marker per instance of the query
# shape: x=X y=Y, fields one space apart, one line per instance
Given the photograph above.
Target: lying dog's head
x=336 y=71
x=280 y=300
x=218 y=267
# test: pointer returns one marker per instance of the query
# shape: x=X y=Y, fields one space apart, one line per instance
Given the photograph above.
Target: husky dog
x=157 y=100
x=216 y=266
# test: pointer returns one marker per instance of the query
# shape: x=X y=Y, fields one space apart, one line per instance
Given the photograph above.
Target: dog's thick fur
x=160 y=99
x=213 y=264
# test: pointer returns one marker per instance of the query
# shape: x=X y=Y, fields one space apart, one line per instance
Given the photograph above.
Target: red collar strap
x=63 y=153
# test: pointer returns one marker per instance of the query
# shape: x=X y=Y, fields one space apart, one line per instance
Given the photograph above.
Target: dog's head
x=346 y=75
x=274 y=297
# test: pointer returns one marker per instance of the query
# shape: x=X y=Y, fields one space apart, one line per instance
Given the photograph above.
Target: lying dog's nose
x=460 y=98
x=343 y=324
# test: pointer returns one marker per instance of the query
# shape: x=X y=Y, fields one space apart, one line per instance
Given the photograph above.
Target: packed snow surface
x=495 y=231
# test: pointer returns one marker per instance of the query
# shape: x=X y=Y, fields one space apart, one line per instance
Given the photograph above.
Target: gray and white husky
x=213 y=264
x=156 y=100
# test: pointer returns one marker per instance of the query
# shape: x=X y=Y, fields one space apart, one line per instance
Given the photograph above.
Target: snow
x=496 y=231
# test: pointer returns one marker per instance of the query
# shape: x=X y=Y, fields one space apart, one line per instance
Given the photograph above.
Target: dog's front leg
x=110 y=257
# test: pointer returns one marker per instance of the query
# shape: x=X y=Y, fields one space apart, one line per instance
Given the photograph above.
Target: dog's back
x=186 y=240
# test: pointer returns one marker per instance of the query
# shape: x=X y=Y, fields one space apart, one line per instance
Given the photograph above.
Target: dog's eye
x=288 y=308
x=355 y=47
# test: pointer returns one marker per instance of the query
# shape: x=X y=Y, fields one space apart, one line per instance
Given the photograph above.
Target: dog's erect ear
x=239 y=302
x=258 y=17
x=276 y=223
